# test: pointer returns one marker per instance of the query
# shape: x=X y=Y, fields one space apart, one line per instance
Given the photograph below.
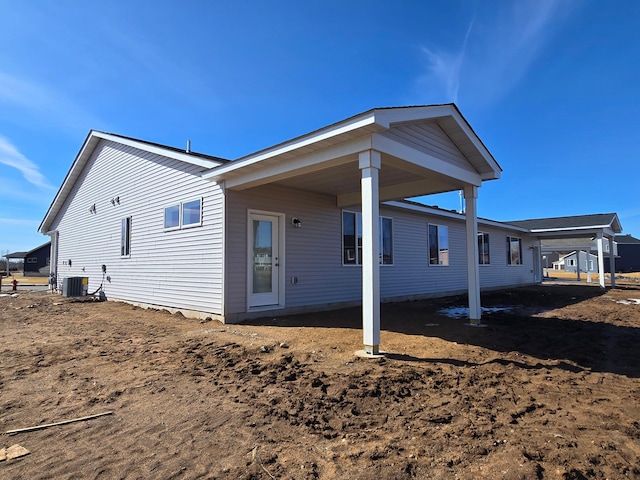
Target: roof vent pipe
x=188 y=146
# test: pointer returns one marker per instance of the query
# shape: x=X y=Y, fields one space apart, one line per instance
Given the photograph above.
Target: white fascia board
x=332 y=156
x=387 y=117
x=452 y=215
x=72 y=175
x=423 y=160
x=567 y=229
x=183 y=157
x=326 y=133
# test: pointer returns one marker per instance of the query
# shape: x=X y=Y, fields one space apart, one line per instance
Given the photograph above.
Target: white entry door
x=264 y=260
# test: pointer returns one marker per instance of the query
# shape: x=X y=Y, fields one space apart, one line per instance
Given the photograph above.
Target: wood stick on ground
x=255 y=457
x=64 y=422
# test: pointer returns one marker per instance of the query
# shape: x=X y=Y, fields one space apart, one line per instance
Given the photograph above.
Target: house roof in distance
x=627 y=240
x=576 y=222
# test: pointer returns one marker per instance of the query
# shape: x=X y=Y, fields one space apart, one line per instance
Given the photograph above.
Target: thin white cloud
x=497 y=50
x=446 y=66
x=45 y=105
x=19 y=222
x=10 y=156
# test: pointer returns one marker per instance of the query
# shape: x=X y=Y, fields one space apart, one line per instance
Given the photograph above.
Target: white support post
x=578 y=265
x=612 y=262
x=473 y=271
x=599 y=241
x=370 y=164
x=587 y=264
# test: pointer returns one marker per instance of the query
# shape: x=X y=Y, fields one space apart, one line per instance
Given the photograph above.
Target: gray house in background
x=314 y=223
x=37 y=261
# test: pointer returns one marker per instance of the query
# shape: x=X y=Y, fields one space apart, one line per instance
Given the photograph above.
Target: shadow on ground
x=591 y=339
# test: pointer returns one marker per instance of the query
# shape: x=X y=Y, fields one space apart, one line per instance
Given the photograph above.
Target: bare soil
x=550 y=389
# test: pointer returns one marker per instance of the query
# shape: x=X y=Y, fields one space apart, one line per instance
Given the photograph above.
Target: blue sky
x=551 y=87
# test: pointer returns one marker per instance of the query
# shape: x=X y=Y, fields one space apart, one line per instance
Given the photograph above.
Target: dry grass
x=594 y=276
x=24 y=280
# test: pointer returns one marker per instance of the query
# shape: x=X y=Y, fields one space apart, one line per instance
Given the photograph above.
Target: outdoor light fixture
x=296 y=223
x=92 y=208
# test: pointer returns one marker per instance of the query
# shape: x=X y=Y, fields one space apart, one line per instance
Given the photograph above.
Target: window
x=352 y=239
x=172 y=217
x=183 y=215
x=125 y=237
x=438 y=245
x=191 y=213
x=572 y=262
x=514 y=251
x=483 y=248
x=32 y=260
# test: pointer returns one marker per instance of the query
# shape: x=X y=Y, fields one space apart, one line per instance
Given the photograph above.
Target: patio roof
x=424 y=150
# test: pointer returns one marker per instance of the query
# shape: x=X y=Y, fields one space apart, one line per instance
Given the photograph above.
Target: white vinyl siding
x=180 y=269
x=314 y=258
x=431 y=139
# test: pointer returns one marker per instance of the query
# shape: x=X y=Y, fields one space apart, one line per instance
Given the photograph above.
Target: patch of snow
x=463 y=312
x=631 y=301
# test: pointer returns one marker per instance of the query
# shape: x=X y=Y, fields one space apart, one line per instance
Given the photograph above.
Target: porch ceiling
x=343 y=181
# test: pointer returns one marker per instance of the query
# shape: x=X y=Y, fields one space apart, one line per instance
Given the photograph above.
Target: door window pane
x=262 y=256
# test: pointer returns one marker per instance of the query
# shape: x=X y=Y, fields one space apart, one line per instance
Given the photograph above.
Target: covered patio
x=578 y=233
x=380 y=155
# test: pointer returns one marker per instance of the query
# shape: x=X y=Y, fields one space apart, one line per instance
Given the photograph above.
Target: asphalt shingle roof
x=577 y=221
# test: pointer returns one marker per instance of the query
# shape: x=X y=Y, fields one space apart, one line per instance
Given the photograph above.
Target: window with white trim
x=483 y=248
x=438 y=244
x=352 y=239
x=183 y=215
x=514 y=251
x=125 y=237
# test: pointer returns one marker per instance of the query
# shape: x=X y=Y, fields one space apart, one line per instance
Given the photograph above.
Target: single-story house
x=573 y=261
x=317 y=222
x=36 y=261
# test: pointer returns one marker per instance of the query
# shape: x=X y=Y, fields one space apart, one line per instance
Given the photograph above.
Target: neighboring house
x=36 y=261
x=571 y=261
x=629 y=254
x=315 y=223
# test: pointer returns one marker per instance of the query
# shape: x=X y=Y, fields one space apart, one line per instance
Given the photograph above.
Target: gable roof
x=86 y=151
x=47 y=244
x=577 y=222
x=421 y=150
x=627 y=240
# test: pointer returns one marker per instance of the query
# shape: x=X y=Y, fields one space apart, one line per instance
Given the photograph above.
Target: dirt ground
x=549 y=389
